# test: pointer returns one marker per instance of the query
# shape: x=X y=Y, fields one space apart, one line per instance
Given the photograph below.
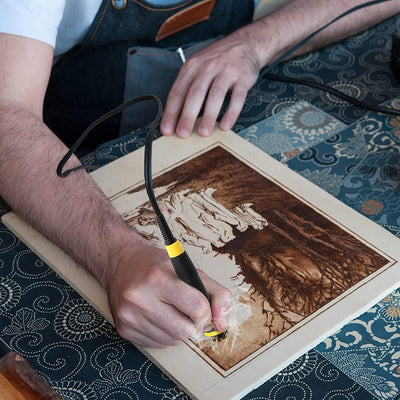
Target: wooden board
x=18 y=381
x=302 y=262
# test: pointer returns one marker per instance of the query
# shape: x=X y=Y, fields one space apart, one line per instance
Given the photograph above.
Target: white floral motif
x=353 y=365
x=309 y=123
x=10 y=294
x=352 y=88
x=299 y=369
x=354 y=148
x=367 y=349
x=325 y=179
x=74 y=390
x=390 y=311
x=114 y=376
x=174 y=394
x=292 y=130
x=78 y=321
x=25 y=321
x=273 y=142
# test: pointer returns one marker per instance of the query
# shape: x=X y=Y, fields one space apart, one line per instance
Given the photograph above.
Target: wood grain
x=18 y=381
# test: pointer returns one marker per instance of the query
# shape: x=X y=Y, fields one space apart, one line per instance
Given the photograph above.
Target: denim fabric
x=90 y=79
x=170 y=2
x=151 y=70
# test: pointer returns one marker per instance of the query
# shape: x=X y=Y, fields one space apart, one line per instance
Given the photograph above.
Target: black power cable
x=290 y=51
x=98 y=121
x=180 y=260
x=329 y=89
x=268 y=75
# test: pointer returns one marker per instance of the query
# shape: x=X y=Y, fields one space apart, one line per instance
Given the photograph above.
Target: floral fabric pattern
x=292 y=130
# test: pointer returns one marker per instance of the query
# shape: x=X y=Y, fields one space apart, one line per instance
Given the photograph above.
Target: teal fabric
x=292 y=130
x=358 y=164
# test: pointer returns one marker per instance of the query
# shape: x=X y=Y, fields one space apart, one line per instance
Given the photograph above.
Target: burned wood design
x=291 y=260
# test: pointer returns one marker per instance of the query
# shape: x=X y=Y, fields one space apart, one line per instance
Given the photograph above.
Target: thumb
x=221 y=301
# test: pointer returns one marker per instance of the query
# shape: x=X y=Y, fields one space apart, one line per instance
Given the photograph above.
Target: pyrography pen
x=180 y=260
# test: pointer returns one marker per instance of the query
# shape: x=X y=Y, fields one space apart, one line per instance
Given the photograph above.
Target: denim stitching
x=163 y=9
x=99 y=23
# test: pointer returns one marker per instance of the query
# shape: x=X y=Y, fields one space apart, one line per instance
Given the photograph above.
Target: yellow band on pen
x=175 y=249
x=211 y=333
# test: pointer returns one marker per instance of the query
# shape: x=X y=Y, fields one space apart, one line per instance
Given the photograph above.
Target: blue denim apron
x=91 y=78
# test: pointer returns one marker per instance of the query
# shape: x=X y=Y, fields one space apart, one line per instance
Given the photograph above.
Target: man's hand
x=152 y=307
x=227 y=65
x=76 y=215
x=234 y=62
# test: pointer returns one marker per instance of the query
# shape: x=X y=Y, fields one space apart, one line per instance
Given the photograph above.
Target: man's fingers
x=175 y=323
x=191 y=303
x=193 y=103
x=164 y=325
x=175 y=101
x=144 y=339
x=215 y=100
x=209 y=74
x=238 y=98
x=135 y=327
x=221 y=301
x=152 y=307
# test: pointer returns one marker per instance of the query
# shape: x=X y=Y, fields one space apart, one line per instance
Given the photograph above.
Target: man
x=151 y=307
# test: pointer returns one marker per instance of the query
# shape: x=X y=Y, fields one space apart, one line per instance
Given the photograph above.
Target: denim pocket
x=151 y=71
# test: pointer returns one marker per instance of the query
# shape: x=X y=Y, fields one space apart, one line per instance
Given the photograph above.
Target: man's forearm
x=72 y=212
x=147 y=300
x=272 y=35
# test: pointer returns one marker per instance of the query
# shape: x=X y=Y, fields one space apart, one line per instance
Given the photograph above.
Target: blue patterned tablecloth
x=353 y=156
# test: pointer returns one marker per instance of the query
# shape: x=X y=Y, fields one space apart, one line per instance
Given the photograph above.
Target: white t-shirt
x=60 y=23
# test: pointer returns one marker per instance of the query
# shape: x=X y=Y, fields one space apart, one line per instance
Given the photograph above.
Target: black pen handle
x=185 y=268
x=183 y=265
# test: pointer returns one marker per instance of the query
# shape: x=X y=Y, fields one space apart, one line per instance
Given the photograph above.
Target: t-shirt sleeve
x=36 y=19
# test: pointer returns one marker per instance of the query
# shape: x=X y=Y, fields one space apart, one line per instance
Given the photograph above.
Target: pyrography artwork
x=246 y=231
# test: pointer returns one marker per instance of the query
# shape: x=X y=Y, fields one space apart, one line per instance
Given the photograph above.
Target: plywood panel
x=302 y=262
